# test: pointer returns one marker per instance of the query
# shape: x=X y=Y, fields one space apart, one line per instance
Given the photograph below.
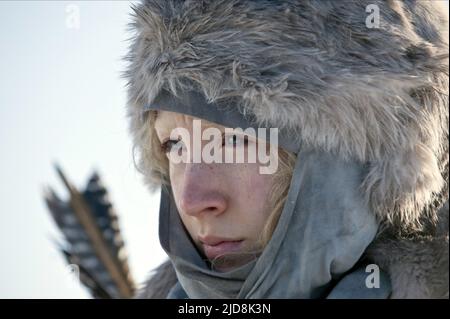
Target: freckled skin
x=227 y=200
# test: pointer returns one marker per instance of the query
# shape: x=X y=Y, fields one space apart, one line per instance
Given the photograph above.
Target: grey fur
x=313 y=67
x=160 y=282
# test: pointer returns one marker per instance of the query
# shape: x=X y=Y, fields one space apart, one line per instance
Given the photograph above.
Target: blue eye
x=234 y=140
x=171 y=145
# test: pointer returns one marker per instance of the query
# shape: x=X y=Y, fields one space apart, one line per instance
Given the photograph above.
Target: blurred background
x=62 y=100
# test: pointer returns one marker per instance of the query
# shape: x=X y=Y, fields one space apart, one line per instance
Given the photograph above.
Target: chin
x=230 y=262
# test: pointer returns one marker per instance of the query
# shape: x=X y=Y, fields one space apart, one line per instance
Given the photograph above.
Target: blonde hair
x=155 y=165
x=278 y=195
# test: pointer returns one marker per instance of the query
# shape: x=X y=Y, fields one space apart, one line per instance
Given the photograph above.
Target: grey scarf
x=322 y=232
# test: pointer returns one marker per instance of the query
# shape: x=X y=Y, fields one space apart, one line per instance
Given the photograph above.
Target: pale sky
x=62 y=99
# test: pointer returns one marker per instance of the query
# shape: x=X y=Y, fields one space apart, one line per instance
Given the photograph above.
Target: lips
x=215 y=246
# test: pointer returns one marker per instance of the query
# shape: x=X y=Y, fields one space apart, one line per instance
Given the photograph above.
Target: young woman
x=347 y=199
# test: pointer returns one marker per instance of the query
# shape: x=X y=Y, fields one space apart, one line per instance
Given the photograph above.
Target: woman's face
x=224 y=206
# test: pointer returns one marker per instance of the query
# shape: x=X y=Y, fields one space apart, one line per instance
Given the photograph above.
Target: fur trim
x=162 y=279
x=378 y=95
x=418 y=268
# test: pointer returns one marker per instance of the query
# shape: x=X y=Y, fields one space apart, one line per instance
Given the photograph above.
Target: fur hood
x=378 y=95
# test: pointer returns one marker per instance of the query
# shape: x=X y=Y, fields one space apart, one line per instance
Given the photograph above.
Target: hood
x=377 y=96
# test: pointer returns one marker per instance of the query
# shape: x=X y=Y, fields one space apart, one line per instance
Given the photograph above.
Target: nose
x=201 y=192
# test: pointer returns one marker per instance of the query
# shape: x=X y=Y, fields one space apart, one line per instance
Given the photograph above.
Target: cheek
x=247 y=191
x=253 y=190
